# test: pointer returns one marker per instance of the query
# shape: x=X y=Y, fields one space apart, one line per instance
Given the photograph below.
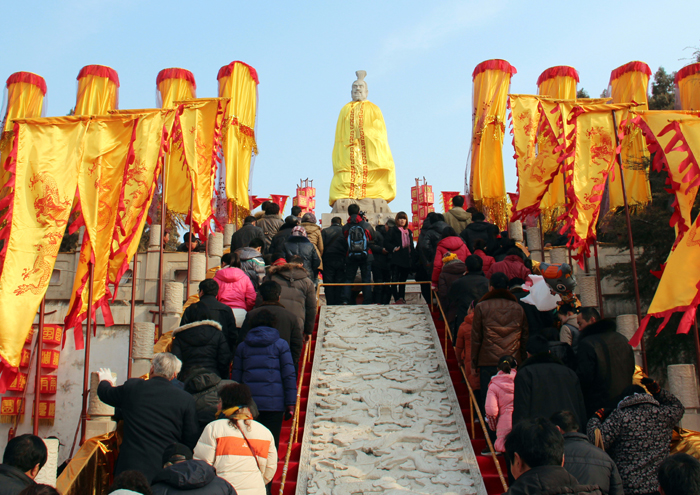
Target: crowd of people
x=555 y=386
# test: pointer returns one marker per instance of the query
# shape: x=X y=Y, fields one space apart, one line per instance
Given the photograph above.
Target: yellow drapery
x=239 y=82
x=628 y=83
x=487 y=185
x=98 y=90
x=688 y=87
x=175 y=85
x=196 y=143
x=363 y=166
x=44 y=164
x=560 y=83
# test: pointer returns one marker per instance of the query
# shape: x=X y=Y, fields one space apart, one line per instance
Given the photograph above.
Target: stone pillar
x=588 y=291
x=559 y=254
x=683 y=383
x=47 y=474
x=154 y=238
x=534 y=243
x=216 y=249
x=100 y=414
x=627 y=325
x=198 y=271
x=150 y=294
x=142 y=351
x=229 y=229
x=174 y=292
x=515 y=230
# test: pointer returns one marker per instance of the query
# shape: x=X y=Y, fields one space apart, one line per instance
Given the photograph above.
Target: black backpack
x=357 y=242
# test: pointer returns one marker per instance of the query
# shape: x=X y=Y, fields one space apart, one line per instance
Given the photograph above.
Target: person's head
x=265 y=205
x=299 y=231
x=235 y=395
x=296 y=211
x=566 y=311
x=133 y=480
x=209 y=286
x=499 y=281
x=474 y=263
x=27 y=453
x=679 y=474
x=515 y=282
x=256 y=243
x=359 y=87
x=479 y=244
x=448 y=232
x=250 y=220
x=272 y=209
x=401 y=219
x=550 y=333
x=291 y=221
x=478 y=217
x=389 y=224
x=533 y=443
x=336 y=221
x=353 y=209
x=190 y=238
x=165 y=365
x=458 y=201
x=296 y=260
x=176 y=452
x=263 y=318
x=270 y=291
x=166 y=236
x=308 y=218
x=587 y=316
x=514 y=252
x=198 y=312
x=506 y=364
x=39 y=489
x=565 y=421
x=537 y=344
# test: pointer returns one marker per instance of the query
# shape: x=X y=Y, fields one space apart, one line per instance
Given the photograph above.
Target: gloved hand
x=651 y=385
x=434 y=286
x=289 y=413
x=603 y=413
x=105 y=374
x=320 y=276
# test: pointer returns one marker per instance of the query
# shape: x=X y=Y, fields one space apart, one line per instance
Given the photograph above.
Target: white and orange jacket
x=223 y=446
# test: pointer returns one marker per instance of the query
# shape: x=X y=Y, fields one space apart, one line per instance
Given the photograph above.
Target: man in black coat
x=218 y=311
x=544 y=385
x=358 y=261
x=285 y=231
x=156 y=414
x=468 y=289
x=334 y=250
x=182 y=474
x=537 y=321
x=381 y=270
x=583 y=460
x=286 y=322
x=242 y=237
x=481 y=229
x=426 y=247
x=22 y=460
x=535 y=454
x=605 y=364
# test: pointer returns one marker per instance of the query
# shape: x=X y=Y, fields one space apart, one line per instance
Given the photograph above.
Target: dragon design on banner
x=50 y=203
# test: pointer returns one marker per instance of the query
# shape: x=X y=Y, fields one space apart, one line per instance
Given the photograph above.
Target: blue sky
x=419 y=57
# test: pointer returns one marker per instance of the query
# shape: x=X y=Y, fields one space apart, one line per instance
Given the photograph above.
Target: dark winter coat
x=270 y=225
x=544 y=386
x=277 y=243
x=536 y=320
x=204 y=388
x=465 y=290
x=252 y=264
x=13 y=480
x=605 y=365
x=428 y=240
x=481 y=230
x=218 y=312
x=564 y=353
x=451 y=272
x=512 y=266
x=298 y=245
x=202 y=343
x=549 y=480
x=381 y=260
x=287 y=325
x=193 y=477
x=298 y=293
x=591 y=465
x=637 y=435
x=369 y=232
x=263 y=361
x=242 y=237
x=333 y=245
x=404 y=255
x=499 y=329
x=144 y=439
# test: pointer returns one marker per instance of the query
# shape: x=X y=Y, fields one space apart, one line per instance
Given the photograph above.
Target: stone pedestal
x=588 y=291
x=150 y=294
x=534 y=243
x=100 y=414
x=216 y=244
x=173 y=305
x=683 y=384
x=377 y=211
x=142 y=351
x=515 y=230
x=198 y=271
x=229 y=229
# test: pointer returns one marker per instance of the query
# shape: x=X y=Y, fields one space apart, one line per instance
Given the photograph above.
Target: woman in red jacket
x=450 y=243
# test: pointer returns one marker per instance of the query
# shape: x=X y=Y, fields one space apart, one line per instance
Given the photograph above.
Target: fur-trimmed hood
x=602 y=326
x=636 y=399
x=290 y=271
x=499 y=294
x=195 y=324
x=541 y=358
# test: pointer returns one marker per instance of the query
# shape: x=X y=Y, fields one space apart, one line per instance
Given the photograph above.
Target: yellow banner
x=175 y=85
x=98 y=90
x=239 y=82
x=44 y=164
x=688 y=87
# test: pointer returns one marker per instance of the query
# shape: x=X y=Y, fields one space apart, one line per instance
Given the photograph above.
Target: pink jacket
x=499 y=405
x=452 y=244
x=235 y=288
x=485 y=259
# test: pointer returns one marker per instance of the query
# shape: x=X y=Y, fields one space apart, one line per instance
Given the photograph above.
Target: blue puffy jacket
x=263 y=361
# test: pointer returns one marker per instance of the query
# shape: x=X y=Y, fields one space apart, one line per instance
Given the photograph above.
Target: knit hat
x=279 y=262
x=299 y=231
x=308 y=218
x=449 y=257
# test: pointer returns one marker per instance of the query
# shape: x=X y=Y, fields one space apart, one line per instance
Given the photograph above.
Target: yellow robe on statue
x=362 y=163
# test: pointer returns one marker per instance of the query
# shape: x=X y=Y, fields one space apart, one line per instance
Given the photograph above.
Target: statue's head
x=359 y=87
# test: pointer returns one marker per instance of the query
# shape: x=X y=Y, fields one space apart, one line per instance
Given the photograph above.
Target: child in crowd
x=499 y=401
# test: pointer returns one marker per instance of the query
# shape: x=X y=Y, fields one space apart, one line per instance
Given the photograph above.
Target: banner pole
x=134 y=271
x=86 y=364
x=37 y=378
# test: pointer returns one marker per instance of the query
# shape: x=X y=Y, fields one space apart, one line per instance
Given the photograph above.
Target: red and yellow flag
x=688 y=87
x=486 y=180
x=239 y=82
x=44 y=166
x=98 y=90
x=175 y=85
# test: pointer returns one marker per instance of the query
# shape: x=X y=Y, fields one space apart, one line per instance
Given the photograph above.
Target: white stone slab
x=382 y=414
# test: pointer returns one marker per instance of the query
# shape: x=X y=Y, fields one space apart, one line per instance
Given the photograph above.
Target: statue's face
x=359 y=91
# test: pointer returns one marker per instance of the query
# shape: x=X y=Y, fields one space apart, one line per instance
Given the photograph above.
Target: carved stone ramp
x=382 y=413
